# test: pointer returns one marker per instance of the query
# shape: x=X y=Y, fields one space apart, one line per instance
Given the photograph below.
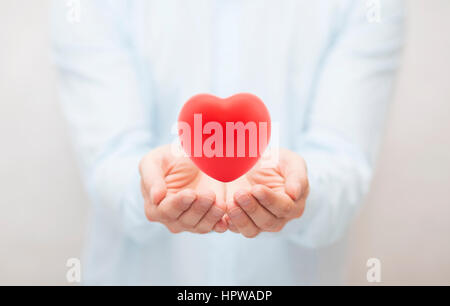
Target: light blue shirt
x=325 y=71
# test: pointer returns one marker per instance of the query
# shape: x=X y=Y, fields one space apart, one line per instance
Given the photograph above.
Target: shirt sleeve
x=345 y=119
x=103 y=101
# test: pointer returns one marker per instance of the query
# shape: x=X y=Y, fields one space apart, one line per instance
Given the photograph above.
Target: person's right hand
x=180 y=196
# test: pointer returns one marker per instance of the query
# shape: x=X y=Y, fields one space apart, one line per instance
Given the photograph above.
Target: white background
x=43 y=209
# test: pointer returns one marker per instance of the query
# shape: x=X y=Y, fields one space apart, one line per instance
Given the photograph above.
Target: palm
x=269 y=177
x=181 y=173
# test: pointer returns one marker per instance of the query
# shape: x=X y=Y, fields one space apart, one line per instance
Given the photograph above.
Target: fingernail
x=244 y=200
x=235 y=212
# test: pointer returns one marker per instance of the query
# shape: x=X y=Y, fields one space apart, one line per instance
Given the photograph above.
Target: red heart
x=225 y=138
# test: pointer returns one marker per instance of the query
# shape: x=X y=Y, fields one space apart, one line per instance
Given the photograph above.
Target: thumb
x=153 y=178
x=294 y=171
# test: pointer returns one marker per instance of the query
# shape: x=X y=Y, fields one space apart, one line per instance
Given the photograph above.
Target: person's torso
x=271 y=48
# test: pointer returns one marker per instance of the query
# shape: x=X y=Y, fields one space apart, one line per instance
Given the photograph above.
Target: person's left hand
x=266 y=199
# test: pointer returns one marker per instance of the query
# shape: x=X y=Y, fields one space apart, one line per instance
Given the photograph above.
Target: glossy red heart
x=225 y=138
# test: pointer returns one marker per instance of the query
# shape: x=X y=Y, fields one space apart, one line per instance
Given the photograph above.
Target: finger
x=296 y=186
x=221 y=226
x=243 y=222
x=145 y=192
x=191 y=217
x=172 y=207
x=158 y=192
x=259 y=215
x=296 y=180
x=175 y=227
x=151 y=212
x=279 y=204
x=211 y=218
x=153 y=179
x=227 y=220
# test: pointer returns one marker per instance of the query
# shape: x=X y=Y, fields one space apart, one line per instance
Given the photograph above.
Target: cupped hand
x=267 y=198
x=180 y=196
